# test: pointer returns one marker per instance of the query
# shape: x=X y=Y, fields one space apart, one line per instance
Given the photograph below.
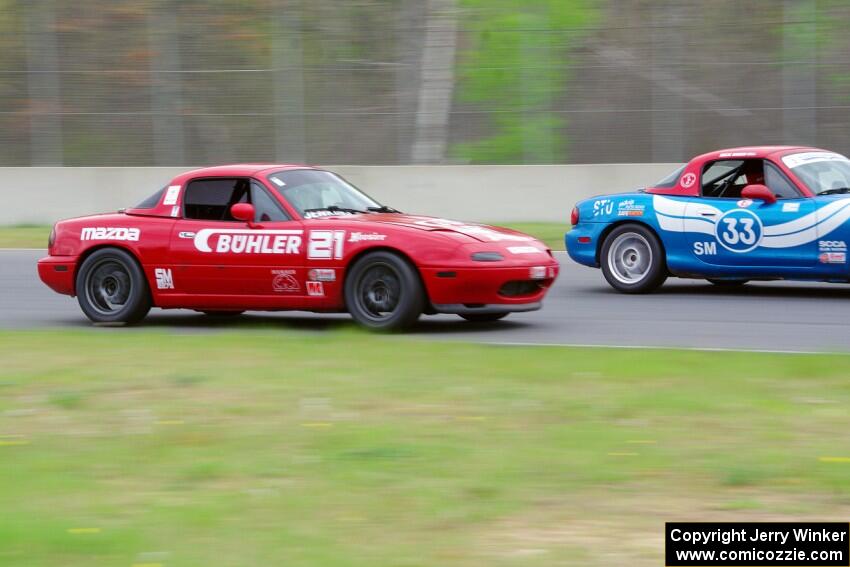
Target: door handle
x=186 y=235
x=707 y=213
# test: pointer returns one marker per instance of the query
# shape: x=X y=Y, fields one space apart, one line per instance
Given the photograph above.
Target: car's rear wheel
x=111 y=287
x=727 y=283
x=483 y=317
x=633 y=260
x=383 y=292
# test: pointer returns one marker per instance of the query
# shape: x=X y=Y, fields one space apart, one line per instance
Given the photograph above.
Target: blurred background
x=190 y=82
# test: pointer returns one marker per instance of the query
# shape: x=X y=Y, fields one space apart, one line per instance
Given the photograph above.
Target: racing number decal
x=325 y=244
x=739 y=230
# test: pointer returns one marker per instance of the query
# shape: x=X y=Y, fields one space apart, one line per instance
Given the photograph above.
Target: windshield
x=316 y=193
x=822 y=172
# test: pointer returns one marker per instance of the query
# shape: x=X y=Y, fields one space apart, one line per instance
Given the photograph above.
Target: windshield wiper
x=835 y=191
x=336 y=209
x=382 y=209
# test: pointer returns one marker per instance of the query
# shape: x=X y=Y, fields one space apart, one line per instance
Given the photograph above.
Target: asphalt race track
x=581 y=309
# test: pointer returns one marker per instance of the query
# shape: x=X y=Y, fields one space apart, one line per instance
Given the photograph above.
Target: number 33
x=733 y=235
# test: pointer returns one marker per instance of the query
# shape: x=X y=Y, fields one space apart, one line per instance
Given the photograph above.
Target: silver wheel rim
x=630 y=258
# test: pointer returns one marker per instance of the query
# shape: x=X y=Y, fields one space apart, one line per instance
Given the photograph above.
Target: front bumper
x=497 y=289
x=462 y=309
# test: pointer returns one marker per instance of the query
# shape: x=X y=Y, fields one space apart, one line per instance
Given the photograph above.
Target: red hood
x=480 y=232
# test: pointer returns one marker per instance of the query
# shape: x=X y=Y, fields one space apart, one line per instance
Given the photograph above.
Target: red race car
x=223 y=240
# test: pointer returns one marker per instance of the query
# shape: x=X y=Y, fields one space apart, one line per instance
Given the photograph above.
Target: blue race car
x=730 y=216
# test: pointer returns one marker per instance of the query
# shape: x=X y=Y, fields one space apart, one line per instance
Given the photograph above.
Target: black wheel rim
x=108 y=287
x=379 y=292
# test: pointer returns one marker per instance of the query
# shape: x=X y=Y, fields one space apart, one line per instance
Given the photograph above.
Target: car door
x=214 y=254
x=742 y=233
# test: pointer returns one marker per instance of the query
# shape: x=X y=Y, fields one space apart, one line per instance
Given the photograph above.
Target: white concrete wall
x=476 y=193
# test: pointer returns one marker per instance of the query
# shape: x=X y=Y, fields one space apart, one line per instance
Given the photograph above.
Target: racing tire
x=727 y=283
x=383 y=292
x=632 y=259
x=111 y=288
x=483 y=317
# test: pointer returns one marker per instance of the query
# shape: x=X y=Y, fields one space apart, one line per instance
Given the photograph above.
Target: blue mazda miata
x=730 y=216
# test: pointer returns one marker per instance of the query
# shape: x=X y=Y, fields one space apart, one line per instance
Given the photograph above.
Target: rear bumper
x=58 y=273
x=582 y=242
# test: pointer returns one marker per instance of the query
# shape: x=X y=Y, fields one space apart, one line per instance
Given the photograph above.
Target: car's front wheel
x=633 y=260
x=111 y=287
x=383 y=292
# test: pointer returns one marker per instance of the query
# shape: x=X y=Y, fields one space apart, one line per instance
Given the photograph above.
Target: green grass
x=24 y=236
x=552 y=233
x=36 y=236
x=122 y=447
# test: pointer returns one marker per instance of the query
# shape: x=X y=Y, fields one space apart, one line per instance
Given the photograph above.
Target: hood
x=479 y=232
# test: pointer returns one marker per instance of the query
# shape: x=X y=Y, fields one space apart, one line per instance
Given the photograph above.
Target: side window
x=211 y=199
x=266 y=209
x=727 y=178
x=717 y=176
x=778 y=183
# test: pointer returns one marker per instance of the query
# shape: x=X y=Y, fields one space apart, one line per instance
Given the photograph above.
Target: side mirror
x=760 y=192
x=243 y=212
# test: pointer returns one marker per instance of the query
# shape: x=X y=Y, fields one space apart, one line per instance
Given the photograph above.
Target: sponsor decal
x=248 y=241
x=171 y=195
x=739 y=230
x=603 y=207
x=110 y=233
x=523 y=250
x=164 y=279
x=325 y=244
x=790 y=207
x=316 y=289
x=744 y=203
x=832 y=257
x=688 y=179
x=283 y=281
x=363 y=236
x=321 y=275
x=737 y=154
x=832 y=246
x=796 y=160
x=629 y=208
x=324 y=213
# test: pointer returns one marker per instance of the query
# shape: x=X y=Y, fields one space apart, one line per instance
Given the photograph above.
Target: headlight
x=52 y=238
x=487 y=257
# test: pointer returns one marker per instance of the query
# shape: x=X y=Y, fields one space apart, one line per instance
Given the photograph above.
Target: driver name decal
x=248 y=241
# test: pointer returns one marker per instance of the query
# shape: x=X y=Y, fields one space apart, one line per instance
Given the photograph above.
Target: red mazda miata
x=223 y=240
